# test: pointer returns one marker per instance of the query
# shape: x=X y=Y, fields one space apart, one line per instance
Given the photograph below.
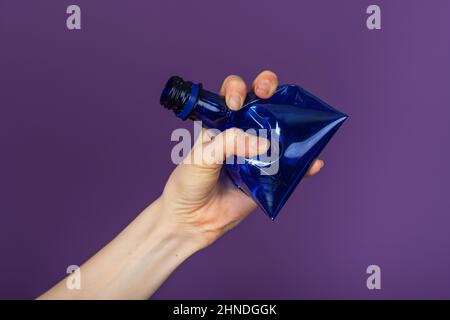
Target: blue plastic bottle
x=303 y=124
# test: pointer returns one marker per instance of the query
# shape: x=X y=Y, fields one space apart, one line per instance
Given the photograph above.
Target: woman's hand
x=197 y=199
x=196 y=207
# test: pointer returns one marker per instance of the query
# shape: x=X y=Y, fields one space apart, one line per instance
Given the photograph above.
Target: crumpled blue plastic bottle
x=302 y=123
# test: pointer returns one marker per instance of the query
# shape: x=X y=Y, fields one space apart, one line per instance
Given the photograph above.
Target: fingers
x=234 y=90
x=265 y=84
x=315 y=167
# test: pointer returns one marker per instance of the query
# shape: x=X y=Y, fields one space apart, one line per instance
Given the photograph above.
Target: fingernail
x=234 y=101
x=321 y=164
x=262 y=88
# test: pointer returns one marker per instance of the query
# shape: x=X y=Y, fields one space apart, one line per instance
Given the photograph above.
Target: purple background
x=84 y=144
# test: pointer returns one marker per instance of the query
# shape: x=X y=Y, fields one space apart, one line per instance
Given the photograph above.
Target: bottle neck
x=190 y=101
x=211 y=109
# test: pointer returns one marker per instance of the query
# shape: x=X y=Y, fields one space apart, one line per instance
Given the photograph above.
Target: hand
x=196 y=207
x=197 y=199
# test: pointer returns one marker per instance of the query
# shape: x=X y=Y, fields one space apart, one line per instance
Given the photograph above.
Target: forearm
x=134 y=264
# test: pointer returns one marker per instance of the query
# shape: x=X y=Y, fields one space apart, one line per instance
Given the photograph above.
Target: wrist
x=152 y=248
x=169 y=230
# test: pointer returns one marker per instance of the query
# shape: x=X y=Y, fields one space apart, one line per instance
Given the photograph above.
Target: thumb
x=211 y=150
x=229 y=143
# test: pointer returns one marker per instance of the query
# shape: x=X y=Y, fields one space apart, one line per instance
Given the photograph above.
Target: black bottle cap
x=175 y=94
